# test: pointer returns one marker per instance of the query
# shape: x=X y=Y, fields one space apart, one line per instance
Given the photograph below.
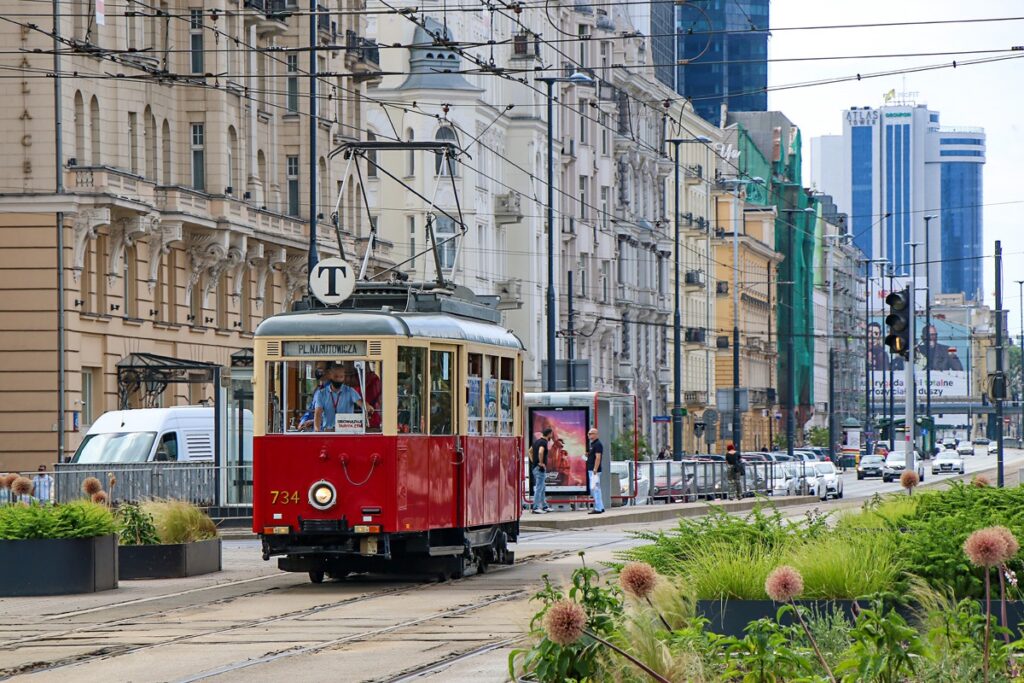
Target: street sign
x=661 y=418
x=711 y=417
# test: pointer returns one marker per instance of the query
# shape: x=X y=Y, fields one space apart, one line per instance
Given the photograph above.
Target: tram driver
x=335 y=397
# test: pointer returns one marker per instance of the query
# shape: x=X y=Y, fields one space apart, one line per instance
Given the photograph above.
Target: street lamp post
x=577 y=78
x=1020 y=389
x=928 y=350
x=677 y=342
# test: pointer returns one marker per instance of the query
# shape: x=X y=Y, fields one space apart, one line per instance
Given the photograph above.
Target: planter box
x=48 y=566
x=730 y=617
x=172 y=561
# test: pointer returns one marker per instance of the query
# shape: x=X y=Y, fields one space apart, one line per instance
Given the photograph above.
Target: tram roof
x=327 y=323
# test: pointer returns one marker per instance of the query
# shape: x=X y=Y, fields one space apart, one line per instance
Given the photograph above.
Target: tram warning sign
x=332 y=281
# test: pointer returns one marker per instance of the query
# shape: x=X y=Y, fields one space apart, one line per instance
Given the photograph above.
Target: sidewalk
x=638 y=514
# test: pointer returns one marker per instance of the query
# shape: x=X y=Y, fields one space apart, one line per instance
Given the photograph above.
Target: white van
x=182 y=434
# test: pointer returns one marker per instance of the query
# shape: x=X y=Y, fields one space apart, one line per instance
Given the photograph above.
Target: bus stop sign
x=332 y=281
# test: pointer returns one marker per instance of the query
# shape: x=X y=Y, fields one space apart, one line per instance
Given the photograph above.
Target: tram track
x=109 y=652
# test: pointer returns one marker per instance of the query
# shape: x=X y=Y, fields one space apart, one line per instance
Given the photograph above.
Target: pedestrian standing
x=735 y=470
x=43 y=485
x=595 y=456
x=539 y=470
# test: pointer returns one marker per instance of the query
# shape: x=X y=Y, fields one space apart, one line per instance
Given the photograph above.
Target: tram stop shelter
x=570 y=414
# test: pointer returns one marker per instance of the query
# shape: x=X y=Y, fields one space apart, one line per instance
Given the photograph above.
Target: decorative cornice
x=207 y=254
x=295 y=269
x=124 y=233
x=87 y=225
x=164 y=235
x=274 y=259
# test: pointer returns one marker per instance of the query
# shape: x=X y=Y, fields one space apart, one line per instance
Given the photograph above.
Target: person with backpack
x=539 y=470
x=735 y=471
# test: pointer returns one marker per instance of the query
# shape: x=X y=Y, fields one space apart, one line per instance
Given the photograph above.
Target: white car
x=993 y=448
x=643 y=484
x=786 y=477
x=948 y=461
x=965 y=448
x=823 y=480
x=896 y=462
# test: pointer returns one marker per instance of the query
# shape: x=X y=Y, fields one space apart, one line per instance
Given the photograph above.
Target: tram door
x=236 y=477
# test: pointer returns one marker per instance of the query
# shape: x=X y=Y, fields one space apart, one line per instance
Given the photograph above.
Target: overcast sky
x=986 y=95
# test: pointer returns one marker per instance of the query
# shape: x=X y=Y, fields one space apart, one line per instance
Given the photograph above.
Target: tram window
x=491 y=397
x=507 y=389
x=442 y=373
x=293 y=386
x=412 y=363
x=474 y=389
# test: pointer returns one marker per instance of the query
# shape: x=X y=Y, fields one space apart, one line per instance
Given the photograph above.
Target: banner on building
x=944 y=346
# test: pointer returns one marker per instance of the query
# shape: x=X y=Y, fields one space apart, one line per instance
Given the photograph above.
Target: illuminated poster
x=567 y=460
x=944 y=346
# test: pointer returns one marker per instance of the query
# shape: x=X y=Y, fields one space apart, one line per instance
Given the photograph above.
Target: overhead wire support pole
x=1000 y=374
x=314 y=115
x=909 y=424
x=927 y=339
x=551 y=346
x=1020 y=389
x=58 y=154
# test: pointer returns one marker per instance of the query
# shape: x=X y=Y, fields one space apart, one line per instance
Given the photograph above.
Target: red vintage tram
x=420 y=473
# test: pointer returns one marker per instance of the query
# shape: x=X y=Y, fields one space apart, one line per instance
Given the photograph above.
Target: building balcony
x=693 y=174
x=695 y=398
x=120 y=186
x=762 y=397
x=362 y=56
x=269 y=16
x=624 y=370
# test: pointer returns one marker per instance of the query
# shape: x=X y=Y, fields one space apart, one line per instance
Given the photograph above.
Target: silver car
x=896 y=462
x=824 y=481
x=948 y=461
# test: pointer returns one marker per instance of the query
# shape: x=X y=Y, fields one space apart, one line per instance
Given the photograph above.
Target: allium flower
x=91 y=486
x=1012 y=545
x=980 y=481
x=22 y=486
x=100 y=497
x=638 y=579
x=111 y=480
x=564 y=622
x=909 y=479
x=986 y=548
x=784 y=584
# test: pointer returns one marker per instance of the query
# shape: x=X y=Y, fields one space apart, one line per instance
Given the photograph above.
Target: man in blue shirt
x=333 y=398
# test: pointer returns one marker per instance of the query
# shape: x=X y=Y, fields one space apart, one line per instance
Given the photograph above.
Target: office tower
x=727 y=41
x=894 y=165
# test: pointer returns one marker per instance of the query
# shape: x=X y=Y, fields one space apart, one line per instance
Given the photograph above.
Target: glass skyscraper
x=727 y=41
x=962 y=158
x=891 y=167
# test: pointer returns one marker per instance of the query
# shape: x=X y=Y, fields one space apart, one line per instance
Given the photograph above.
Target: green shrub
x=178 y=521
x=79 y=519
x=720 y=571
x=136 y=526
x=846 y=566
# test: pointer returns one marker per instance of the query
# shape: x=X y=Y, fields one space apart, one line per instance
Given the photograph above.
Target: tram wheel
x=316 y=576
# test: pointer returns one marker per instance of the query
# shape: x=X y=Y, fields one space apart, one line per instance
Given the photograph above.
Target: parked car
x=870 y=466
x=981 y=441
x=948 y=461
x=896 y=462
x=779 y=456
x=786 y=479
x=993 y=448
x=824 y=481
x=965 y=448
x=643 y=484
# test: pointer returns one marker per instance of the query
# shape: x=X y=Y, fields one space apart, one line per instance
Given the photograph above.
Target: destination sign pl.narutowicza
x=325 y=349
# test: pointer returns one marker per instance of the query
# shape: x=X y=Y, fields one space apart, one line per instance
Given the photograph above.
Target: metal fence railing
x=198 y=483
x=692 y=480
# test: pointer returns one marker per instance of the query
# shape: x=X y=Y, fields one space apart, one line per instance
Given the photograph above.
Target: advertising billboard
x=944 y=346
x=567 y=460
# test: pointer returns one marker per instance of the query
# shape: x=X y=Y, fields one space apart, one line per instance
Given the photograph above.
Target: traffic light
x=898 y=321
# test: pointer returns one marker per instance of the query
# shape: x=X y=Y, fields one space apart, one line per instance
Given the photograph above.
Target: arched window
x=94 y=131
x=410 y=160
x=445 y=165
x=233 y=177
x=149 y=131
x=79 y=128
x=371 y=157
x=165 y=153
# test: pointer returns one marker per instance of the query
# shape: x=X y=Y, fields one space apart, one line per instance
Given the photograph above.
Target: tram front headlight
x=322 y=495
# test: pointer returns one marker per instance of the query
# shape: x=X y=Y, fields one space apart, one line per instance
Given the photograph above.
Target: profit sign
x=325 y=349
